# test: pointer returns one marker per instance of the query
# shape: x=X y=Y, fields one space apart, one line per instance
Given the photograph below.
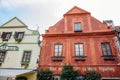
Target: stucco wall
x=28 y=43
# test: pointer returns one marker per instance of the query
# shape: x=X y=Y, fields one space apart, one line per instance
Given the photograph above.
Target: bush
x=92 y=75
x=68 y=73
x=44 y=75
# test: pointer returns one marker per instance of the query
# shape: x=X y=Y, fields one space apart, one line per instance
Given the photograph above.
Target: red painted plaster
x=94 y=32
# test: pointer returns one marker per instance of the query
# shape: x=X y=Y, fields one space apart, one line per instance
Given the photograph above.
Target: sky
x=45 y=13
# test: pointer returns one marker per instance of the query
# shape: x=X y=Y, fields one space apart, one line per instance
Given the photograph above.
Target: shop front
x=17 y=74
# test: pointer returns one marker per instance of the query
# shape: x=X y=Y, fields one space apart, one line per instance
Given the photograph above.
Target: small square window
x=77 y=27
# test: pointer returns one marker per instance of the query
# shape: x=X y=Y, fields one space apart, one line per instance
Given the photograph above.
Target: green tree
x=92 y=75
x=44 y=75
x=68 y=73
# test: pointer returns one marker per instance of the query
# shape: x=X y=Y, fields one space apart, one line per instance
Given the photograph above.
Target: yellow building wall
x=30 y=76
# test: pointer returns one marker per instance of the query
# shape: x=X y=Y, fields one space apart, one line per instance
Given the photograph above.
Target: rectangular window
x=6 y=36
x=79 y=51
x=26 y=56
x=106 y=49
x=58 y=50
x=77 y=27
x=2 y=56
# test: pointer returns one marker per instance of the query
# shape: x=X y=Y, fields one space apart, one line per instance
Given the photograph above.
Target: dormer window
x=6 y=36
x=77 y=27
x=18 y=36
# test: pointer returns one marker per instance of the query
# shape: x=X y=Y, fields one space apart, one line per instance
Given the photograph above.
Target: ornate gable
x=14 y=22
x=76 y=10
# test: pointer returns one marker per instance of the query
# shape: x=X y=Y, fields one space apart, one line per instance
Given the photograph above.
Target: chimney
x=109 y=23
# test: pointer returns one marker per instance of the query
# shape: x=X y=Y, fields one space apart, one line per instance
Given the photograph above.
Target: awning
x=5 y=72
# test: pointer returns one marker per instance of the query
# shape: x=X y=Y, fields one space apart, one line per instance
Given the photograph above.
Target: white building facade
x=19 y=48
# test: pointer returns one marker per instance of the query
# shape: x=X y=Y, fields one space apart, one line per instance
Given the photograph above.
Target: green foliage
x=44 y=75
x=21 y=78
x=68 y=73
x=92 y=75
x=18 y=40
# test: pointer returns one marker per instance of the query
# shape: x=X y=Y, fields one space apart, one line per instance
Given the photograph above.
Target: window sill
x=18 y=40
x=4 y=39
x=110 y=58
x=78 y=31
x=80 y=58
x=24 y=63
x=57 y=58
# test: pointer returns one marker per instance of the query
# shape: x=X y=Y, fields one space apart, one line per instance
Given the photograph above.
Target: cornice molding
x=80 y=34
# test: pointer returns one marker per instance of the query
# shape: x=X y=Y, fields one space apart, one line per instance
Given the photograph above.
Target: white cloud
x=46 y=13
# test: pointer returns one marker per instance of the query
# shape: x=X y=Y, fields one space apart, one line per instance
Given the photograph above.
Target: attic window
x=19 y=36
x=77 y=27
x=6 y=36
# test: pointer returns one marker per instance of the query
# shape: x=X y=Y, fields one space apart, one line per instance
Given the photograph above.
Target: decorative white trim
x=110 y=78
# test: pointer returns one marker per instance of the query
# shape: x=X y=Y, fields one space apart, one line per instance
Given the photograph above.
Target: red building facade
x=82 y=41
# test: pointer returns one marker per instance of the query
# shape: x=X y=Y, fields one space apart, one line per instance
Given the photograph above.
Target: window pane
x=77 y=53
x=60 y=50
x=56 y=50
x=76 y=45
x=77 y=49
x=60 y=54
x=81 y=53
x=81 y=45
x=60 y=46
x=81 y=50
x=56 y=46
x=7 y=36
x=104 y=51
x=109 y=53
x=56 y=53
